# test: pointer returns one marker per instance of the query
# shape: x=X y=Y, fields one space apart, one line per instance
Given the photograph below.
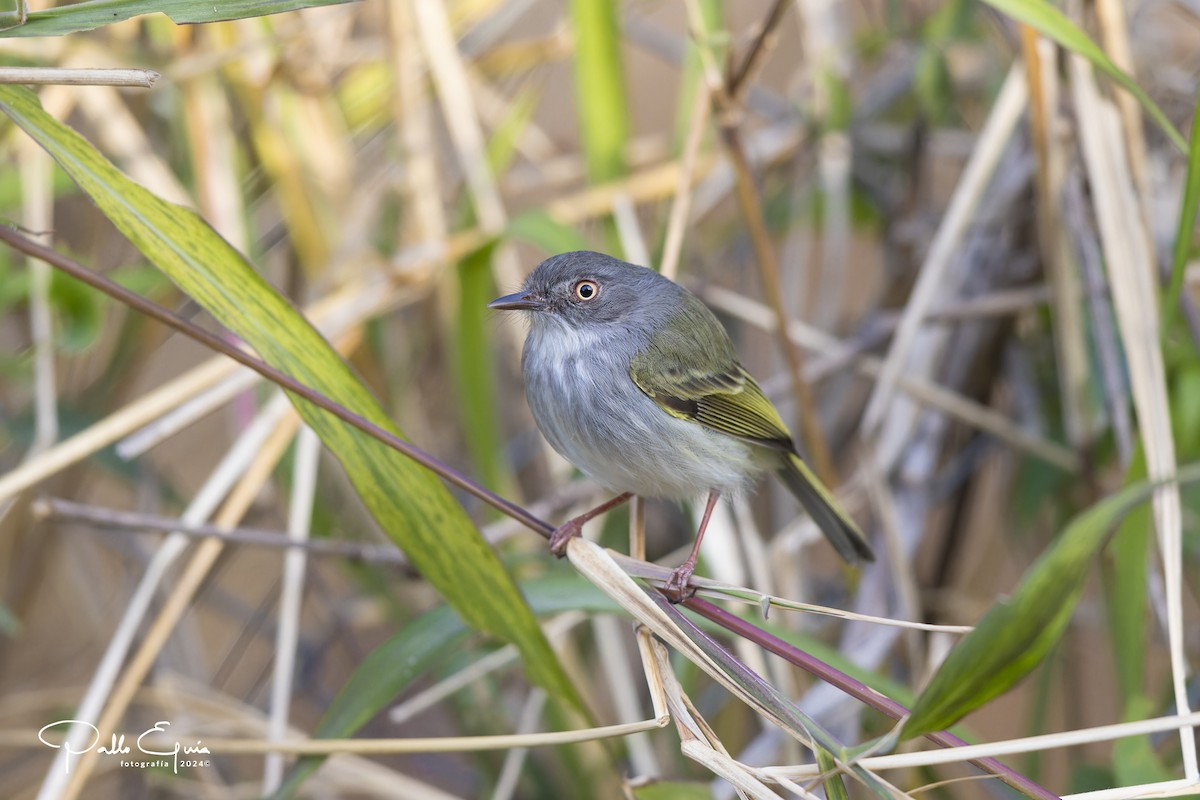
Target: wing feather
x=730 y=402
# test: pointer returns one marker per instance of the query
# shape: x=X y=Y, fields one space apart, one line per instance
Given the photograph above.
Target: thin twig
x=291 y=594
x=739 y=77
x=854 y=688
x=215 y=342
x=111 y=520
x=725 y=105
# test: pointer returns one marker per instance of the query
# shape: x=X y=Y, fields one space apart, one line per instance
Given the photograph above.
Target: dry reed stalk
x=1069 y=327
x=1002 y=122
x=677 y=221
x=725 y=95
x=214 y=148
x=49 y=76
x=177 y=602
x=410 y=108
x=1133 y=283
x=121 y=134
x=921 y=389
x=830 y=69
x=287 y=635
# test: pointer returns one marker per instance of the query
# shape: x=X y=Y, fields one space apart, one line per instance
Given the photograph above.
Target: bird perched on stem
x=634 y=380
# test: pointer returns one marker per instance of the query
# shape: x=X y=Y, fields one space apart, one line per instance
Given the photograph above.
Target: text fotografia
x=173 y=755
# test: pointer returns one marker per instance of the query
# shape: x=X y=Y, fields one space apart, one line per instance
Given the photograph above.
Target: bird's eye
x=587 y=290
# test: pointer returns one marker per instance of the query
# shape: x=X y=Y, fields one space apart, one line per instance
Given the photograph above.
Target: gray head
x=586 y=290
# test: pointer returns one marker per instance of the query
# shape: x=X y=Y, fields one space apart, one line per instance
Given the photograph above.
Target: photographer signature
x=117 y=746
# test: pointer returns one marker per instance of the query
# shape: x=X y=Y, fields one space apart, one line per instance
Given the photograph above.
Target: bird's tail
x=818 y=501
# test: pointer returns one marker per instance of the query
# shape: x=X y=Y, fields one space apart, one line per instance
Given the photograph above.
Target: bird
x=632 y=379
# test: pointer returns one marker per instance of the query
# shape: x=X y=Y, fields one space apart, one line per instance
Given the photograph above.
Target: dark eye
x=587 y=290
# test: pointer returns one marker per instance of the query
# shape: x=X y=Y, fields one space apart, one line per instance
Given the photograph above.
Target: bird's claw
x=678 y=587
x=563 y=534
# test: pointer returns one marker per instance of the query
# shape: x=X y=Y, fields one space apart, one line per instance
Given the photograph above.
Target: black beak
x=518 y=301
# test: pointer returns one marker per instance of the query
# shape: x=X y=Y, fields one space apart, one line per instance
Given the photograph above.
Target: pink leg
x=677 y=588
x=574 y=527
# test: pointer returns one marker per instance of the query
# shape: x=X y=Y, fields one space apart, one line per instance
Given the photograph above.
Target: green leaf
x=1053 y=24
x=1016 y=634
x=388 y=670
x=933 y=85
x=80 y=312
x=502 y=145
x=691 y=80
x=1125 y=562
x=473 y=367
x=1188 y=209
x=600 y=88
x=673 y=790
x=13 y=13
x=393 y=666
x=1134 y=760
x=835 y=786
x=96 y=13
x=409 y=503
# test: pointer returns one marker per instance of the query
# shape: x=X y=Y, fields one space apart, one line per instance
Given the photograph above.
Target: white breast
x=592 y=413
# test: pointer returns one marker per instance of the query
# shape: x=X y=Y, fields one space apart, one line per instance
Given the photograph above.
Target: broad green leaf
x=409 y=503
x=1016 y=634
x=1053 y=24
x=600 y=88
x=96 y=13
x=1188 y=209
x=393 y=666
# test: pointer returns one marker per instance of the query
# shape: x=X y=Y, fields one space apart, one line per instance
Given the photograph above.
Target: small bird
x=634 y=381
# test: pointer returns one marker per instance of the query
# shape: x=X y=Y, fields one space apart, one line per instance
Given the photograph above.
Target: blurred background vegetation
x=985 y=244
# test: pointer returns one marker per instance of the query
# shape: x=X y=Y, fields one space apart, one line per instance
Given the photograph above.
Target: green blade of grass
x=835 y=787
x=1188 y=209
x=673 y=790
x=691 y=78
x=409 y=503
x=87 y=16
x=473 y=366
x=600 y=88
x=1053 y=24
x=1125 y=589
x=1016 y=634
x=397 y=663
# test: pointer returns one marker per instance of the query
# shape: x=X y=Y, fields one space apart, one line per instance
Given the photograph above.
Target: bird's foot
x=678 y=587
x=563 y=534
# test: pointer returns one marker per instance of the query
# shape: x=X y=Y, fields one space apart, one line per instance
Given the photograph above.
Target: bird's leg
x=574 y=527
x=677 y=589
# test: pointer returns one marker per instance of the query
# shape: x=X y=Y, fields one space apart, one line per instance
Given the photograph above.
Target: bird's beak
x=518 y=301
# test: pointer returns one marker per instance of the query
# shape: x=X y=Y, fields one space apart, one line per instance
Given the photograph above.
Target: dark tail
x=841 y=531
